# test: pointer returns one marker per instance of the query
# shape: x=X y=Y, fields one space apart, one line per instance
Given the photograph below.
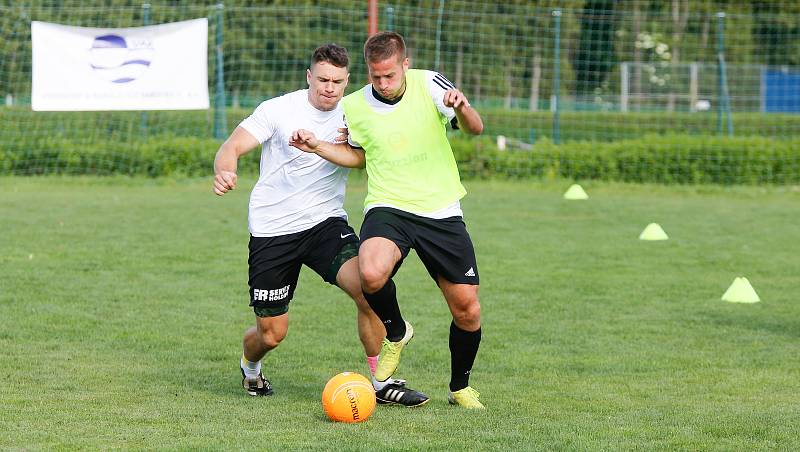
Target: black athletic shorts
x=275 y=262
x=443 y=246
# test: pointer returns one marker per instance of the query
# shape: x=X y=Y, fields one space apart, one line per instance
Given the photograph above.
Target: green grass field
x=123 y=301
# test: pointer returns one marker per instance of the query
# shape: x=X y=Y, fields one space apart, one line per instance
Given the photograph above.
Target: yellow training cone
x=575 y=192
x=741 y=292
x=653 y=232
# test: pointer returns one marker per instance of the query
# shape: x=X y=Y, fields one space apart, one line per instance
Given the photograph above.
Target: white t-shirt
x=296 y=190
x=437 y=86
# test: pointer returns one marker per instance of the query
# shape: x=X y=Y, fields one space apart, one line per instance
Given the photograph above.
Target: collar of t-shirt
x=380 y=98
x=313 y=112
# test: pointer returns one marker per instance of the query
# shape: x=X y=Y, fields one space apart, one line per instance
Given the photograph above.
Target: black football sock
x=384 y=303
x=463 y=348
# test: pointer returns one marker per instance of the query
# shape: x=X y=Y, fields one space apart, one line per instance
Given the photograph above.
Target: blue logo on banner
x=118 y=60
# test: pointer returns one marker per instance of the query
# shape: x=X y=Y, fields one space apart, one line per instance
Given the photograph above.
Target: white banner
x=159 y=67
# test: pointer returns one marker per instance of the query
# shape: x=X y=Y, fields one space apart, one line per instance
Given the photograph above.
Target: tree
x=775 y=33
x=595 y=56
x=680 y=17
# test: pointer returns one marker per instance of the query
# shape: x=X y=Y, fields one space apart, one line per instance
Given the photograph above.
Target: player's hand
x=341 y=139
x=304 y=140
x=454 y=98
x=224 y=181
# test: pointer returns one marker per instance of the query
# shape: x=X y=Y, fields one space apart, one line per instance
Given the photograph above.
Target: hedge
x=154 y=157
x=675 y=159
x=663 y=159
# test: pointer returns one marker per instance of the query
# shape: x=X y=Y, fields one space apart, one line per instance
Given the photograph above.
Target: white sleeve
x=437 y=86
x=350 y=137
x=260 y=123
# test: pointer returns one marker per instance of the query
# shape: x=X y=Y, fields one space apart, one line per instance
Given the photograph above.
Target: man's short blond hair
x=384 y=45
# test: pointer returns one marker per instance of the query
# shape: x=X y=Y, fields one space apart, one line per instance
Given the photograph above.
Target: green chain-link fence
x=663 y=91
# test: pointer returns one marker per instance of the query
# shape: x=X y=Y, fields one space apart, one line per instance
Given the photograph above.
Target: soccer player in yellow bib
x=397 y=128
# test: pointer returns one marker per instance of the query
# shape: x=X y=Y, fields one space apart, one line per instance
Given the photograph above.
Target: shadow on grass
x=739 y=319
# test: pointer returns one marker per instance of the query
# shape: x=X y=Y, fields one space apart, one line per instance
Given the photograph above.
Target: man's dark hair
x=384 y=45
x=331 y=53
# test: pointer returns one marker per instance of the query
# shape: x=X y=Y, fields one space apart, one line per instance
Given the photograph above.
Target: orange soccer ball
x=348 y=397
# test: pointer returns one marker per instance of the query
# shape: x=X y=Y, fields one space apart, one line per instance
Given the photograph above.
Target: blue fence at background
x=781 y=91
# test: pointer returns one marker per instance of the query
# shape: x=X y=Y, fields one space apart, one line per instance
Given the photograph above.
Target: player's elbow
x=360 y=158
x=476 y=129
x=351 y=162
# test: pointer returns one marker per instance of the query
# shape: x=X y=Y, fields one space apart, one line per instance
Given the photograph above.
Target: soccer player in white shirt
x=296 y=217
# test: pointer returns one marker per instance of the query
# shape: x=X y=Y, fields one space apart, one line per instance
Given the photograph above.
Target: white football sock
x=378 y=385
x=251 y=369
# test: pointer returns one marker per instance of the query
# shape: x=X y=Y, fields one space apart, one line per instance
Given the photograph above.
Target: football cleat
x=467 y=398
x=390 y=355
x=395 y=392
x=258 y=386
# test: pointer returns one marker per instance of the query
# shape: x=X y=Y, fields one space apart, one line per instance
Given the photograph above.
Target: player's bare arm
x=340 y=153
x=225 y=163
x=468 y=118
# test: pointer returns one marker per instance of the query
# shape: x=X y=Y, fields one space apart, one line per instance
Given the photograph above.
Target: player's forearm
x=227 y=158
x=469 y=120
x=341 y=154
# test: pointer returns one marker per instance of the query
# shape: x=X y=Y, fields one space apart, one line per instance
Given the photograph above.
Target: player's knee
x=271 y=339
x=467 y=312
x=372 y=279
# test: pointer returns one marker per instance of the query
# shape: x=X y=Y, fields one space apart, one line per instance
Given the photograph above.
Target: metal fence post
x=556 y=76
x=145 y=22
x=389 y=19
x=439 y=36
x=220 y=124
x=624 y=86
x=724 y=102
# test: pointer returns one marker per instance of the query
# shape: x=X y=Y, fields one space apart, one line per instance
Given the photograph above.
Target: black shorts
x=275 y=262
x=443 y=246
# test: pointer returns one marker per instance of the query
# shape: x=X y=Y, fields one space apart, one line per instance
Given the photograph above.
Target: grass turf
x=123 y=301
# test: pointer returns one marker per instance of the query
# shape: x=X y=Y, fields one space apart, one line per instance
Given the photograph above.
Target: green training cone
x=653 y=232
x=575 y=192
x=741 y=291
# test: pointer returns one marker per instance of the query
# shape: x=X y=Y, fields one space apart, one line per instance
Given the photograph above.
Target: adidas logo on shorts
x=470 y=272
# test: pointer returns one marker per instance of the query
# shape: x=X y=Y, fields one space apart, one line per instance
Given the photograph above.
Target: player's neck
x=316 y=107
x=387 y=101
